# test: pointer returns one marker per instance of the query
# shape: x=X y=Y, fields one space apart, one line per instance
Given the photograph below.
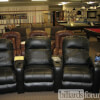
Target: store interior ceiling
x=69 y=3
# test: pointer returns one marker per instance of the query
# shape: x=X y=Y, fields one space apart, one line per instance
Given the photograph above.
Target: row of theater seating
x=19 y=48
x=15 y=37
x=22 y=31
x=38 y=72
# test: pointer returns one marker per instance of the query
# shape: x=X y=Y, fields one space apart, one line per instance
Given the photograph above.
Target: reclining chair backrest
x=14 y=37
x=6 y=53
x=59 y=35
x=75 y=50
x=37 y=50
x=22 y=32
x=54 y=29
x=38 y=33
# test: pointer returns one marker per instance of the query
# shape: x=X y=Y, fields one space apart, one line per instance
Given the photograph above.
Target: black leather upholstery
x=37 y=57
x=77 y=85
x=36 y=73
x=7 y=72
x=19 y=76
x=36 y=43
x=7 y=76
x=76 y=50
x=77 y=73
x=78 y=69
x=6 y=59
x=76 y=42
x=38 y=51
x=38 y=66
x=39 y=73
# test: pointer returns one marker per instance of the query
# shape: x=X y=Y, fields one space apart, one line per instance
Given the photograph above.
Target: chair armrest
x=19 y=75
x=91 y=64
x=52 y=45
x=56 y=51
x=23 y=48
x=18 y=52
x=96 y=77
x=57 y=75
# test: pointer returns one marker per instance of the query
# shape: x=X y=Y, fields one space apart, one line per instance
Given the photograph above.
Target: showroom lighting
x=39 y=0
x=4 y=0
x=60 y=4
x=90 y=2
x=83 y=7
x=63 y=3
x=93 y=7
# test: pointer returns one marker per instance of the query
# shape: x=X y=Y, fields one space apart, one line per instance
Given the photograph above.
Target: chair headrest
x=5 y=45
x=64 y=32
x=11 y=34
x=38 y=42
x=78 y=42
x=38 y=33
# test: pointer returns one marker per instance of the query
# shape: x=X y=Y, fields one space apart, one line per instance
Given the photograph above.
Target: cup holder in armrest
x=56 y=59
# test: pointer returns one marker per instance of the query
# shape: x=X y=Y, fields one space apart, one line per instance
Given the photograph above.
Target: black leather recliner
x=38 y=71
x=78 y=69
x=7 y=70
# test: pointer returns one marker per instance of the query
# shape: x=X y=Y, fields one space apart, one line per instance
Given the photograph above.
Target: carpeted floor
x=94 y=47
x=34 y=96
x=30 y=96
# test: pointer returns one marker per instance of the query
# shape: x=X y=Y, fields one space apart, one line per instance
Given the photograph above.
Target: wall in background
x=34 y=14
x=70 y=14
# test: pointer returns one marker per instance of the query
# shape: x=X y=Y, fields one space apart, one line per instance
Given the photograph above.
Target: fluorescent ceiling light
x=63 y=3
x=90 y=2
x=4 y=0
x=39 y=0
x=60 y=4
x=75 y=0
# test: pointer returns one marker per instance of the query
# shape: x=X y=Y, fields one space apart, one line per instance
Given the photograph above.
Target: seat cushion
x=6 y=88
x=77 y=85
x=7 y=76
x=77 y=73
x=38 y=86
x=38 y=73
